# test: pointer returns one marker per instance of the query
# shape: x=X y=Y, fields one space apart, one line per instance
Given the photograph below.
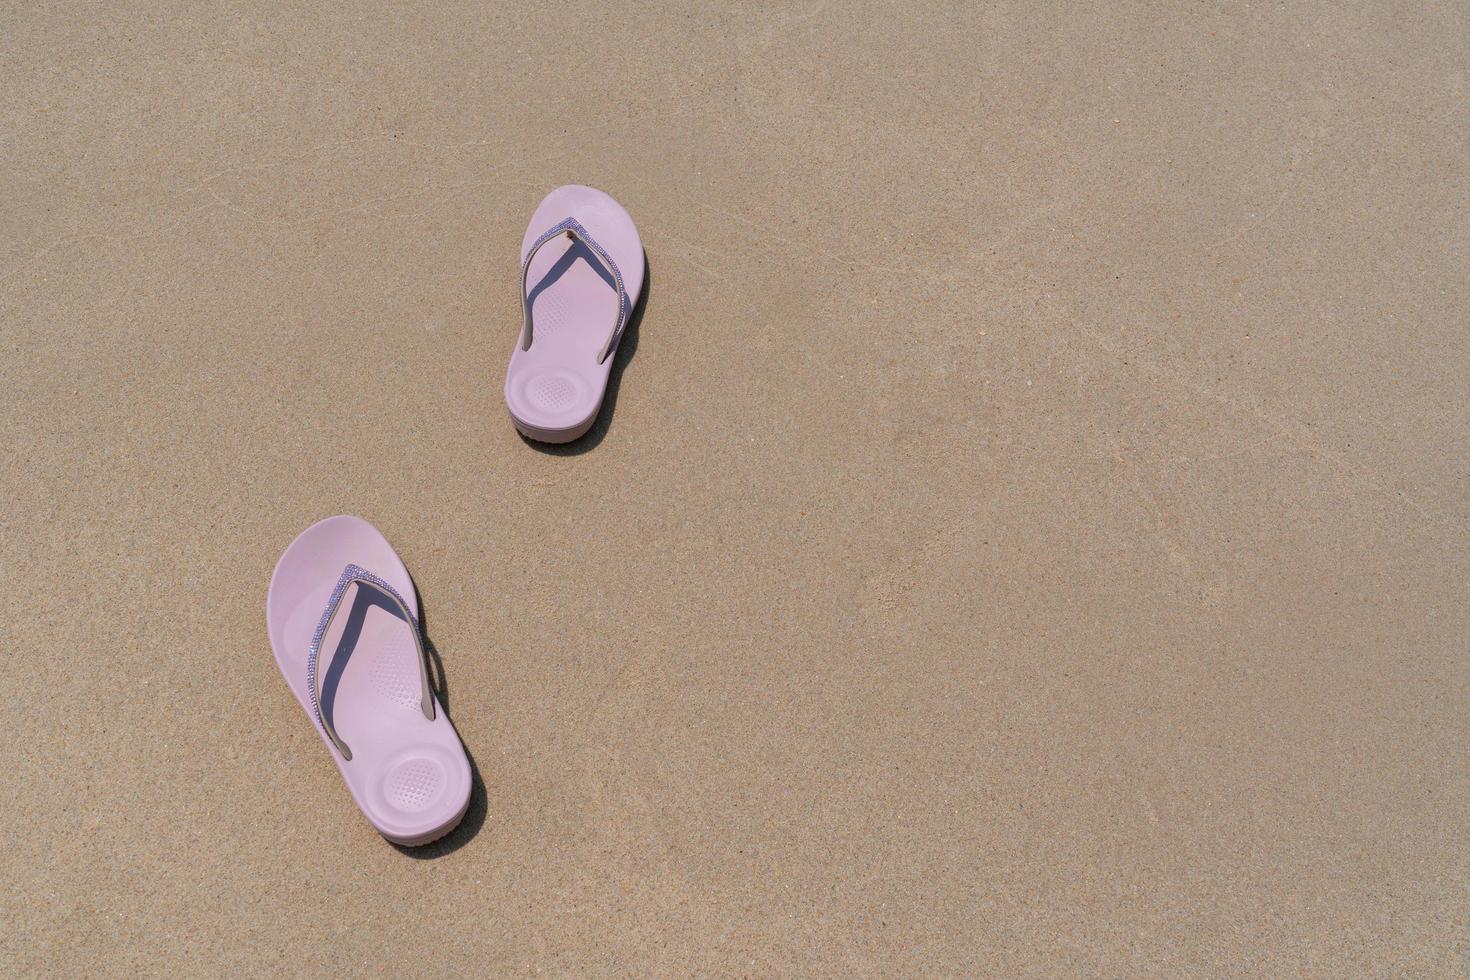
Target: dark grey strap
x=371 y=591
x=574 y=230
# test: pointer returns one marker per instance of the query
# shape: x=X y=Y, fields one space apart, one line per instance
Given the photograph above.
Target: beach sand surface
x=1027 y=532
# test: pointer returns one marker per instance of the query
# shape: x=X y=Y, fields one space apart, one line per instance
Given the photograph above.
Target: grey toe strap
x=574 y=230
x=370 y=591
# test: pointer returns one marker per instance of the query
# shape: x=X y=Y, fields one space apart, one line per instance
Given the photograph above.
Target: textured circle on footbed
x=413 y=784
x=552 y=393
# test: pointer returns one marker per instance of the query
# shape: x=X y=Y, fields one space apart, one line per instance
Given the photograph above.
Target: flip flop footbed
x=341 y=586
x=554 y=388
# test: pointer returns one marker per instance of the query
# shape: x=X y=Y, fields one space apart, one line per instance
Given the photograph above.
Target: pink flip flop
x=343 y=621
x=574 y=311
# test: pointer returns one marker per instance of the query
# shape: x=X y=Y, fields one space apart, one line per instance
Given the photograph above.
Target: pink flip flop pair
x=342 y=614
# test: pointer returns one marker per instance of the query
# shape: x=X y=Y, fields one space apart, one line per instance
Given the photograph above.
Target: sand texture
x=1029 y=532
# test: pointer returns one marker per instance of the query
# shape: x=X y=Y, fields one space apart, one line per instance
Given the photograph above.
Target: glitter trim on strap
x=371 y=591
x=574 y=230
